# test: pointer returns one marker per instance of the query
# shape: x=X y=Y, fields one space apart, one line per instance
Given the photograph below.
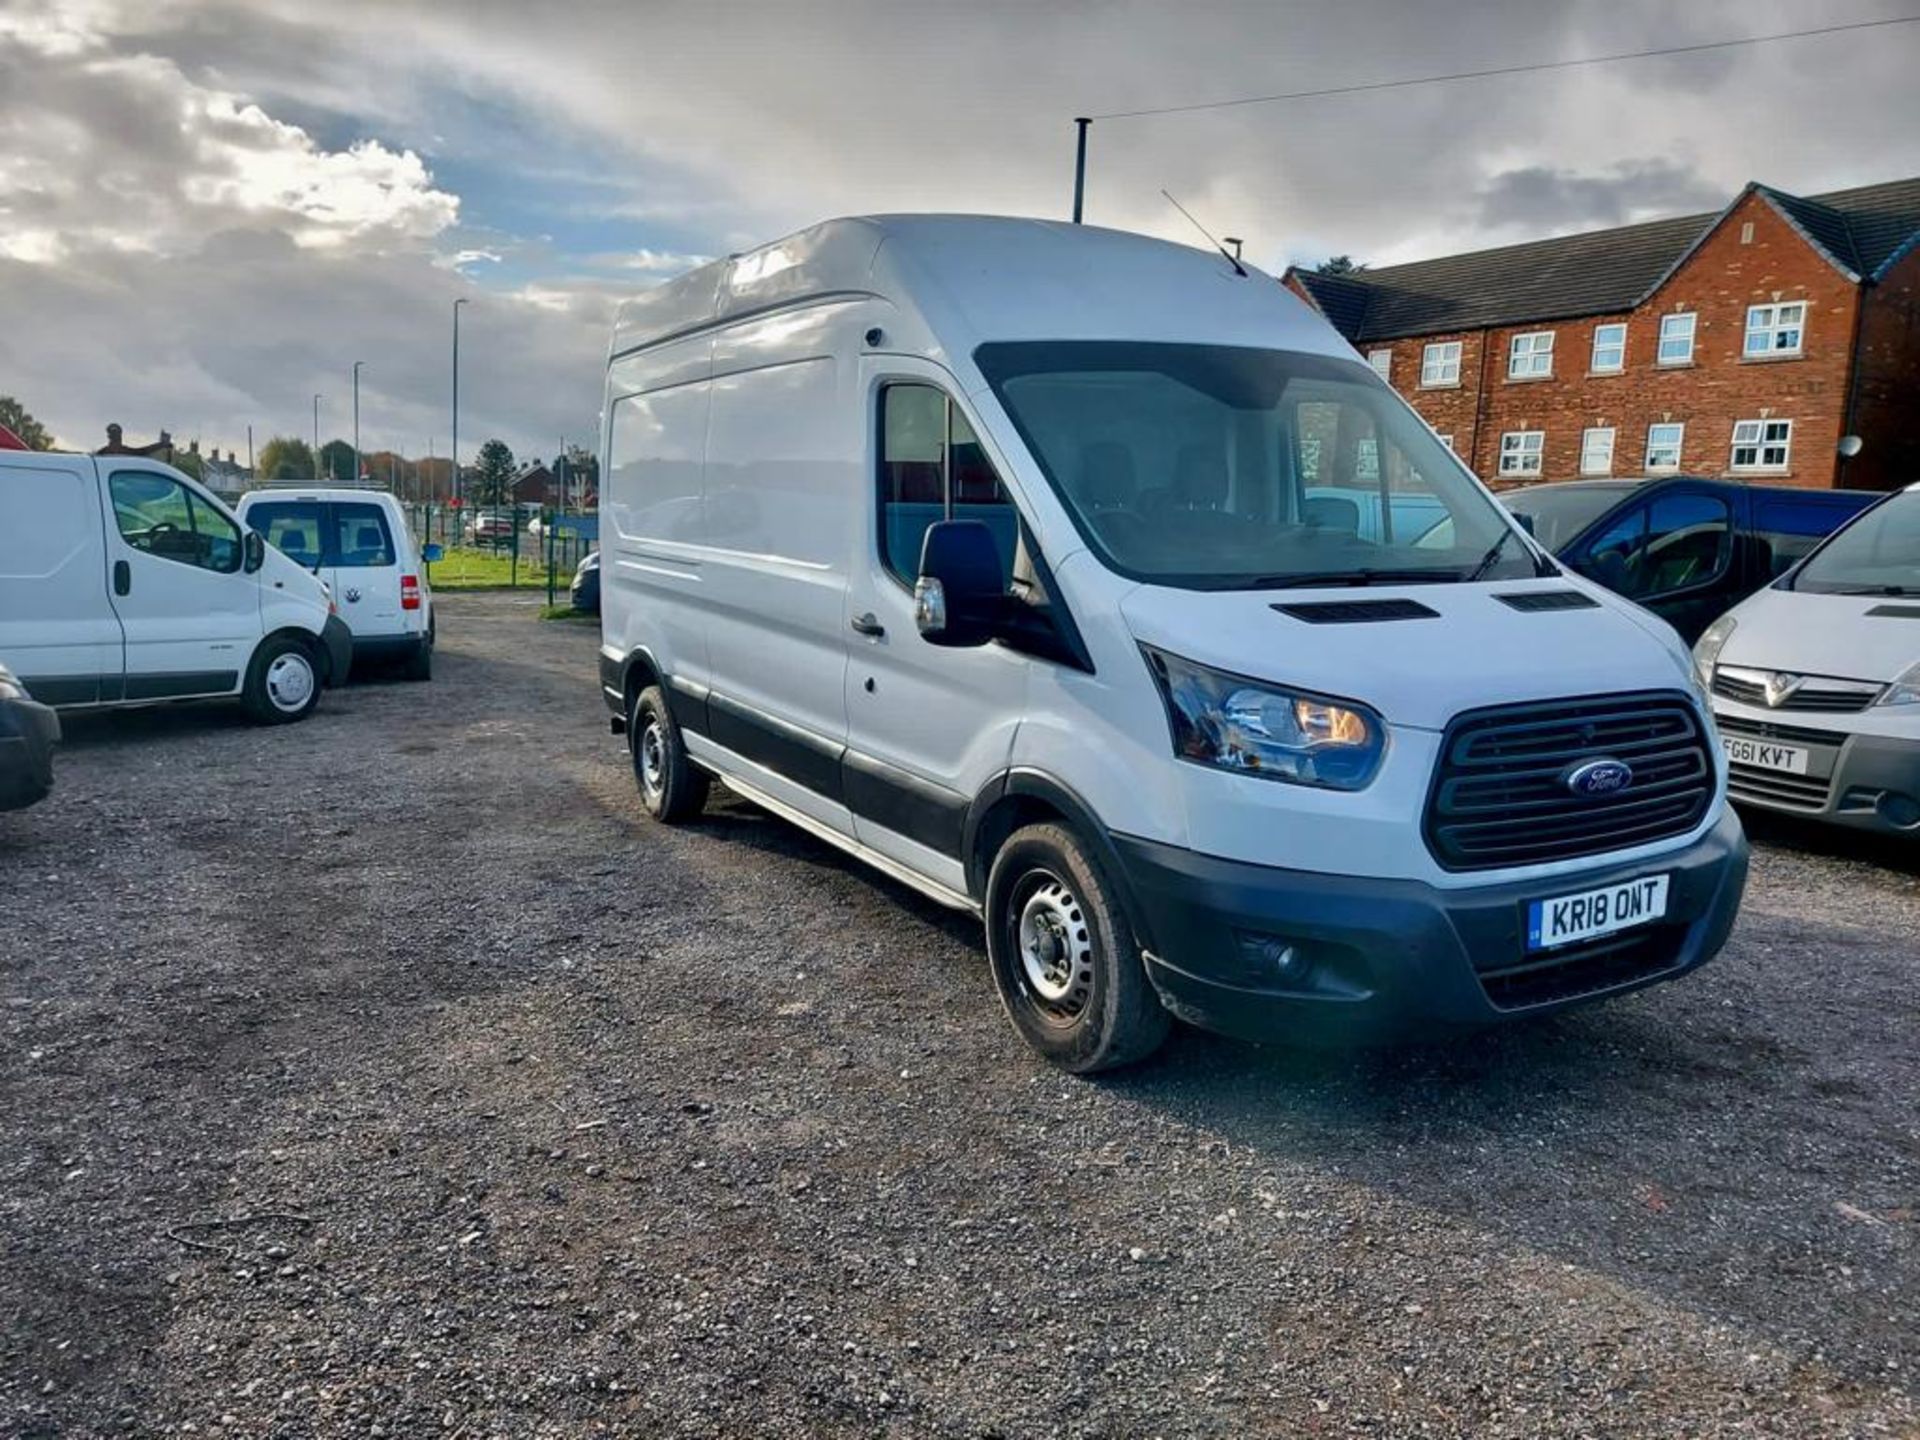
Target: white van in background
x=123 y=582
x=999 y=554
x=358 y=542
x=1816 y=679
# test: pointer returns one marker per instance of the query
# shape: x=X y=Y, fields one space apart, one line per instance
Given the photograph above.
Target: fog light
x=1272 y=957
x=1899 y=810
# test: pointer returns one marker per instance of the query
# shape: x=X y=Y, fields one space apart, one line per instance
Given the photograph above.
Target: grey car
x=28 y=733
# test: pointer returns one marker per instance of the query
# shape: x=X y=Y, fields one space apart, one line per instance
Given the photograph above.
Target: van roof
x=317 y=492
x=975 y=278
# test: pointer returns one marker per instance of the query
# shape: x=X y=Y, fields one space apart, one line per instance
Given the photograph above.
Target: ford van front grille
x=1509 y=786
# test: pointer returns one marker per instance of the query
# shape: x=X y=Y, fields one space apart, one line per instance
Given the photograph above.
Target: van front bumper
x=28 y=733
x=1288 y=955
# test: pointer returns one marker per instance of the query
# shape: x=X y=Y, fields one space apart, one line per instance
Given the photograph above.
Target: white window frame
x=1692 y=321
x=1445 y=438
x=1762 y=438
x=1768 y=324
x=1526 y=449
x=1525 y=352
x=1593 y=361
x=1438 y=367
x=1588 y=450
x=1679 y=428
x=1381 y=363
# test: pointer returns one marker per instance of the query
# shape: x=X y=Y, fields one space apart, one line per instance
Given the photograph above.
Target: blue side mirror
x=431 y=552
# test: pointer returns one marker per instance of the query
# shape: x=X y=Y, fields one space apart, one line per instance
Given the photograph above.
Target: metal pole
x=456 y=396
x=250 y=474
x=316 y=438
x=356 y=420
x=1080 y=167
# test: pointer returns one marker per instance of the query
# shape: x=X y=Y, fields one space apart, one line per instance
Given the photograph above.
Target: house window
x=1440 y=363
x=1609 y=349
x=1596 y=450
x=1676 y=339
x=1520 y=451
x=1382 y=363
x=1775 y=329
x=1761 y=444
x=1530 y=355
x=1663 y=446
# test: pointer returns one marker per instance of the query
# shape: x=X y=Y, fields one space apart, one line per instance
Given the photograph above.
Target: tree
x=14 y=416
x=1339 y=265
x=493 y=474
x=336 y=461
x=188 y=463
x=285 y=458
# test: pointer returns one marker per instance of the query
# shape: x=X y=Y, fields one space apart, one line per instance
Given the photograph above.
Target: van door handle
x=122 y=577
x=868 y=624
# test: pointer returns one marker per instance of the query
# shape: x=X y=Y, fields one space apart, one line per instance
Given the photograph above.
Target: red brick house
x=1745 y=343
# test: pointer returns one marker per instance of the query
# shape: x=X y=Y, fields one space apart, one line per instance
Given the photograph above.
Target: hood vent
x=1532 y=600
x=1897 y=612
x=1356 y=612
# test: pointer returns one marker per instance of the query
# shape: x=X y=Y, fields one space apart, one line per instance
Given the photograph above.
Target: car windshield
x=1878 y=554
x=1222 y=468
x=1557 y=513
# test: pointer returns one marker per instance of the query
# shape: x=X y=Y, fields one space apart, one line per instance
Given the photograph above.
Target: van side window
x=933 y=468
x=360 y=536
x=160 y=516
x=1790 y=531
x=1677 y=542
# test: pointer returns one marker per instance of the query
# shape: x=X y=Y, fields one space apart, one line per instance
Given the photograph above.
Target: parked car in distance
x=1686 y=548
x=1816 y=679
x=983 y=549
x=584 y=592
x=357 y=541
x=497 y=530
x=28 y=733
x=124 y=582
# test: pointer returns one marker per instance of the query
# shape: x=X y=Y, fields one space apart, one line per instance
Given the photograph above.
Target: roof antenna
x=1231 y=258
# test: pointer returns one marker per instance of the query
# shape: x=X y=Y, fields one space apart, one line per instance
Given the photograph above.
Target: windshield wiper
x=1361 y=576
x=1869 y=590
x=1488 y=560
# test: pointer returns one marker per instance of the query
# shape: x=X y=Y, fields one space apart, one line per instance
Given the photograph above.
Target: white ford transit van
x=1816 y=679
x=1010 y=557
x=122 y=582
x=358 y=542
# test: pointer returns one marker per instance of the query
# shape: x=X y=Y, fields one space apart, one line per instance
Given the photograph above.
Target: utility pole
x=1080 y=167
x=316 y=439
x=456 y=397
x=356 y=420
x=250 y=474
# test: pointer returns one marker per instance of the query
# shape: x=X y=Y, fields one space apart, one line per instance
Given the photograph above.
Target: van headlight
x=1905 y=689
x=1253 y=728
x=1706 y=650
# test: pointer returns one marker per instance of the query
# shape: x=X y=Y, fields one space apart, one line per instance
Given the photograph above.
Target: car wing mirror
x=961 y=593
x=254 y=550
x=431 y=552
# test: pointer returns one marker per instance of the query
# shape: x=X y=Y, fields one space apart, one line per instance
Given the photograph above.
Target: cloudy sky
x=210 y=208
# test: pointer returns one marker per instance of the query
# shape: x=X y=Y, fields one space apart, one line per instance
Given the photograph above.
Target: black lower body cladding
x=28 y=733
x=1292 y=956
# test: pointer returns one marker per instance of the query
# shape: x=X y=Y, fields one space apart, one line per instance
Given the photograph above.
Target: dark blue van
x=1688 y=549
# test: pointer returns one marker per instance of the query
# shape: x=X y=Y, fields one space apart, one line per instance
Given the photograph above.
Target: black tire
x=671 y=786
x=419 y=665
x=1064 y=958
x=283 y=681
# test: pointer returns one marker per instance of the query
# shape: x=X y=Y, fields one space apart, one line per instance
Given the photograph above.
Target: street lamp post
x=316 y=438
x=456 y=396
x=356 y=420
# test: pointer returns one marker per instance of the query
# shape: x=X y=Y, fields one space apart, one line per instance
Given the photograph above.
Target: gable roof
x=1602 y=271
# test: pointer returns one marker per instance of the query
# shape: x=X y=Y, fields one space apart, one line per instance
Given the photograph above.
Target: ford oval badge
x=1599 y=777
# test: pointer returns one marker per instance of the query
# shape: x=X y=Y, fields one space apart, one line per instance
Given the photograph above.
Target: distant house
x=224 y=476
x=1744 y=343
x=161 y=449
x=535 y=485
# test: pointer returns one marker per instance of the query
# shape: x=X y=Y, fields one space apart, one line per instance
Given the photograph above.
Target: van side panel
x=653 y=509
x=58 y=632
x=782 y=498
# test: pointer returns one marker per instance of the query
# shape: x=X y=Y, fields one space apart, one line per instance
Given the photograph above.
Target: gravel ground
x=528 y=1118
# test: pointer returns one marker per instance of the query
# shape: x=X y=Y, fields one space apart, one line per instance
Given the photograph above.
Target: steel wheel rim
x=289 y=682
x=653 y=760
x=1055 y=945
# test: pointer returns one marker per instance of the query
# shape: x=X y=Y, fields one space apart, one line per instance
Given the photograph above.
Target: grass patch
x=567 y=612
x=467 y=569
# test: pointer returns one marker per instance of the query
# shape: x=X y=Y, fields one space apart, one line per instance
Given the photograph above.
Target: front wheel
x=1064 y=958
x=672 y=787
x=283 y=682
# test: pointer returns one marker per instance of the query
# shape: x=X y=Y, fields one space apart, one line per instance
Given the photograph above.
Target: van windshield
x=1215 y=467
x=1878 y=554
